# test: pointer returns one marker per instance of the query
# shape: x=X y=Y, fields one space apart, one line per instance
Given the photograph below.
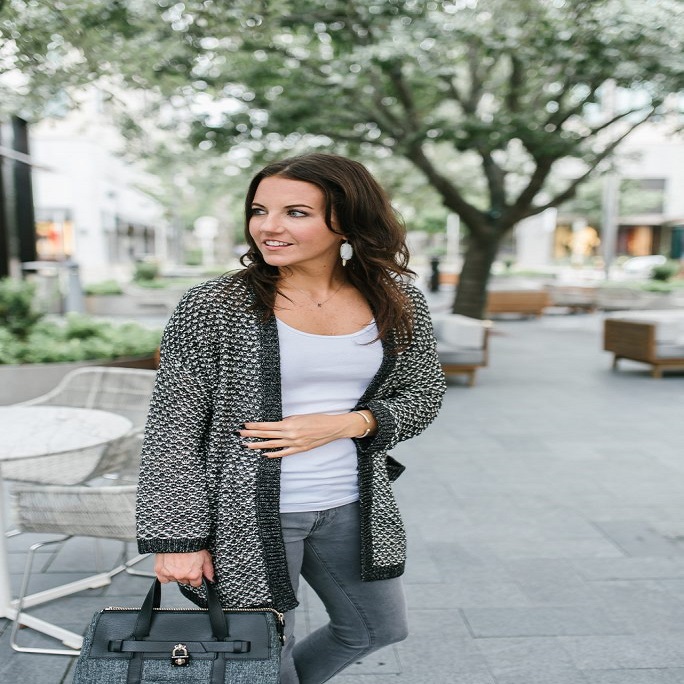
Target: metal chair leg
x=138 y=573
x=122 y=566
x=16 y=623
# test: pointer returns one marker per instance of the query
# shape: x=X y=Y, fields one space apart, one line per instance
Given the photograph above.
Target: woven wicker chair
x=103 y=512
x=125 y=391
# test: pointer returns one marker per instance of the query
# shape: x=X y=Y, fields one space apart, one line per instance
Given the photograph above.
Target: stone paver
x=545 y=513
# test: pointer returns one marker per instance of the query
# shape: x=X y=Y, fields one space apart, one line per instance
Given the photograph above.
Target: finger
x=268 y=444
x=283 y=452
x=273 y=425
x=264 y=434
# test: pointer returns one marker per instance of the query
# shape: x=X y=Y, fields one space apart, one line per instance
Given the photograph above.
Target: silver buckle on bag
x=180 y=656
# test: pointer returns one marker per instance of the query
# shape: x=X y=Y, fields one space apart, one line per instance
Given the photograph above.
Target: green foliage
x=17 y=312
x=663 y=286
x=10 y=347
x=145 y=271
x=193 y=257
x=104 y=287
x=665 y=271
x=78 y=338
x=158 y=284
x=27 y=337
x=646 y=285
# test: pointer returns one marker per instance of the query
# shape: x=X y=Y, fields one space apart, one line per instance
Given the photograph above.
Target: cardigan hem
x=388 y=572
x=172 y=545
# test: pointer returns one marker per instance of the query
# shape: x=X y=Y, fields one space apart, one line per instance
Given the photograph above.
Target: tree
x=517 y=87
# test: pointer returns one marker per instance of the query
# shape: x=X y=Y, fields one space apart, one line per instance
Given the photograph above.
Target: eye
x=296 y=213
x=257 y=211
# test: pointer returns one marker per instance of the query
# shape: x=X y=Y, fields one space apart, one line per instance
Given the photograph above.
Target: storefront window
x=54 y=237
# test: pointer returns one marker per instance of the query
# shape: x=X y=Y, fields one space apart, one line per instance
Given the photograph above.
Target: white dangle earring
x=346 y=252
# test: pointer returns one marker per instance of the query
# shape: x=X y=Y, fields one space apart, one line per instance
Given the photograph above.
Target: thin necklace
x=317 y=303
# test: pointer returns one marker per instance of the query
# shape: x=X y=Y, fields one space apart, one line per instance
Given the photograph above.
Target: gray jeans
x=324 y=547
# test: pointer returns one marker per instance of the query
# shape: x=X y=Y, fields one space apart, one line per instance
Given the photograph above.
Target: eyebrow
x=288 y=206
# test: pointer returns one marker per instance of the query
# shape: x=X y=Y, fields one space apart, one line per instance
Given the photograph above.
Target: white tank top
x=323 y=374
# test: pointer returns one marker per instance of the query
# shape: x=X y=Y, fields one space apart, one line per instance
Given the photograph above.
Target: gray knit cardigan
x=200 y=488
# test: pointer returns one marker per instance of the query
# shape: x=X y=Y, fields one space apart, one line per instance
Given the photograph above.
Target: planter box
x=135 y=301
x=130 y=305
x=626 y=299
x=26 y=381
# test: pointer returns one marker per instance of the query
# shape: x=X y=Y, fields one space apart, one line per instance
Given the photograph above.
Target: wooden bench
x=642 y=339
x=523 y=302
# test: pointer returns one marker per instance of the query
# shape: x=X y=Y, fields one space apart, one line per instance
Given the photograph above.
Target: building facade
x=649 y=181
x=89 y=203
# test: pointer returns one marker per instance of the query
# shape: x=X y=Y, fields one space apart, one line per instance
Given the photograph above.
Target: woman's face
x=288 y=224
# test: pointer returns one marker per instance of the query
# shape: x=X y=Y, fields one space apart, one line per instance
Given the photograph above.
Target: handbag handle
x=219 y=625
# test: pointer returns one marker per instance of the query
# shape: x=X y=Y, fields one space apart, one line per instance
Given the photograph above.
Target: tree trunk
x=471 y=293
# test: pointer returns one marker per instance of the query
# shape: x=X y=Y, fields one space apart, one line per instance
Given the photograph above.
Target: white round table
x=29 y=432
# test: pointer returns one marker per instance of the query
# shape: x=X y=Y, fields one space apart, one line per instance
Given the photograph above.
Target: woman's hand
x=185 y=568
x=295 y=434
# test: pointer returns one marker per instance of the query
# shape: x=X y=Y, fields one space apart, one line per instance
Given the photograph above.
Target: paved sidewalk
x=545 y=513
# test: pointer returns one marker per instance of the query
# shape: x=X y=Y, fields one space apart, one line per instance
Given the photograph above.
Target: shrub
x=27 y=337
x=146 y=271
x=665 y=271
x=104 y=287
x=78 y=338
x=17 y=312
x=10 y=347
x=193 y=257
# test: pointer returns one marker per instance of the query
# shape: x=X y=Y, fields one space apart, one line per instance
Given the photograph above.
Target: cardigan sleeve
x=412 y=397
x=172 y=504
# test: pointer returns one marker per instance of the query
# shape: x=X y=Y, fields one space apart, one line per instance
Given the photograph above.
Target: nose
x=269 y=223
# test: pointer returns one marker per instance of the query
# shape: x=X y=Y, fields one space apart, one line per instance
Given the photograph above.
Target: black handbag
x=185 y=645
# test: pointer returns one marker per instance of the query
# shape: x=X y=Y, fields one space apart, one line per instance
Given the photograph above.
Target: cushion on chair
x=669 y=328
x=670 y=351
x=461 y=341
x=455 y=357
x=457 y=331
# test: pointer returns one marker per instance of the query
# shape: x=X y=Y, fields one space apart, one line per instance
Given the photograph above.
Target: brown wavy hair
x=366 y=218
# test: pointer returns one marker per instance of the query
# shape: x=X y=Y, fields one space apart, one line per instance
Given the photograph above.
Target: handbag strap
x=219 y=629
x=217 y=618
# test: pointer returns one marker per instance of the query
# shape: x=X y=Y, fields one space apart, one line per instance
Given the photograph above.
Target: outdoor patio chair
x=103 y=512
x=116 y=459
x=125 y=391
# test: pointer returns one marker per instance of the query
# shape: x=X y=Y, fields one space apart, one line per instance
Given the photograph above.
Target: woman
x=281 y=387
